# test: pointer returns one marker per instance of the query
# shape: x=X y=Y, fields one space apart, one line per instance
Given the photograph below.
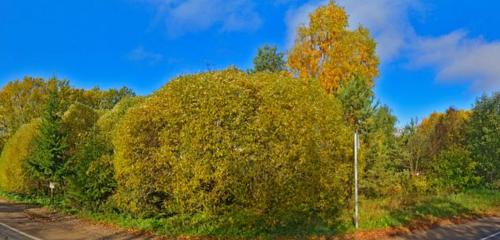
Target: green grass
x=27 y=199
x=387 y=212
x=374 y=214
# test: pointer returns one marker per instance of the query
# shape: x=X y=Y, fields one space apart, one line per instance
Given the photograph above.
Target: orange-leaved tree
x=326 y=49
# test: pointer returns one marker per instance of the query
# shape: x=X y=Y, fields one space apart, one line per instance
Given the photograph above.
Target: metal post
x=356 y=146
x=51 y=186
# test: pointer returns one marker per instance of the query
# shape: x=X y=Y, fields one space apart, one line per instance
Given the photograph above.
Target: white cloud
x=455 y=56
x=185 y=16
x=387 y=21
x=296 y=17
x=459 y=58
x=140 y=54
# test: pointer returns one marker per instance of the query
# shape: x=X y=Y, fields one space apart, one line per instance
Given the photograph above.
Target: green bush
x=454 y=170
x=14 y=158
x=76 y=123
x=92 y=180
x=262 y=148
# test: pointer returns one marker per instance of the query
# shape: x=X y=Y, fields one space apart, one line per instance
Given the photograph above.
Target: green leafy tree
x=412 y=142
x=269 y=59
x=454 y=170
x=47 y=163
x=381 y=176
x=483 y=137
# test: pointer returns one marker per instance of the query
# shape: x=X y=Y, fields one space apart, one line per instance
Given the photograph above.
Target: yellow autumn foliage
x=265 y=146
x=109 y=120
x=14 y=159
x=76 y=122
x=326 y=49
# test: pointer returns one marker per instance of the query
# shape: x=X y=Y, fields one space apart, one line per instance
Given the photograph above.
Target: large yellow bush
x=262 y=147
x=109 y=120
x=76 y=122
x=14 y=159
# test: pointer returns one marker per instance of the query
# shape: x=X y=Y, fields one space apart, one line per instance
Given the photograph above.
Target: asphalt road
x=482 y=229
x=23 y=222
x=8 y=233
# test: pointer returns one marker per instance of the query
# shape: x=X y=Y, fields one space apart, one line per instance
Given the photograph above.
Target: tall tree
x=269 y=59
x=483 y=137
x=380 y=172
x=327 y=50
x=20 y=102
x=412 y=142
x=356 y=98
x=23 y=100
x=47 y=164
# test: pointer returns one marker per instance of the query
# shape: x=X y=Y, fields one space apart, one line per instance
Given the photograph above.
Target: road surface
x=22 y=222
x=9 y=233
x=487 y=228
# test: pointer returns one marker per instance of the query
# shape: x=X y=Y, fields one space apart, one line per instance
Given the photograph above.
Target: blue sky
x=434 y=54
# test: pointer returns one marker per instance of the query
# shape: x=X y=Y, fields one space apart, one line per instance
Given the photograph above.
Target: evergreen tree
x=356 y=98
x=269 y=59
x=47 y=164
x=483 y=139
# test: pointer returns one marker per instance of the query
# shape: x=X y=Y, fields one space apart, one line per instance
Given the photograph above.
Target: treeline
x=456 y=149
x=257 y=150
x=42 y=121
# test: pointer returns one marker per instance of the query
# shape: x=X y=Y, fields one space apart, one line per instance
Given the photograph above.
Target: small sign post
x=52 y=185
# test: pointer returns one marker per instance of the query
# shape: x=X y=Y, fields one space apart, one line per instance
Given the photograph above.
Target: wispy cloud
x=139 y=54
x=455 y=56
x=299 y=16
x=185 y=16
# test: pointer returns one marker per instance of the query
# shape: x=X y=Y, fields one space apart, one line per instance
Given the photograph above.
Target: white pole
x=356 y=146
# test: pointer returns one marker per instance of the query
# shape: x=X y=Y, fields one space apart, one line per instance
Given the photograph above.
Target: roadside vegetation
x=260 y=153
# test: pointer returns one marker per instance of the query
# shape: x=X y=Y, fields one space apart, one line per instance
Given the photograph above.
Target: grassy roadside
x=375 y=214
x=396 y=212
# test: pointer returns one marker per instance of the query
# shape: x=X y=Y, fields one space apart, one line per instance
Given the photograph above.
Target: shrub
x=454 y=170
x=76 y=123
x=92 y=180
x=265 y=148
x=109 y=120
x=14 y=158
